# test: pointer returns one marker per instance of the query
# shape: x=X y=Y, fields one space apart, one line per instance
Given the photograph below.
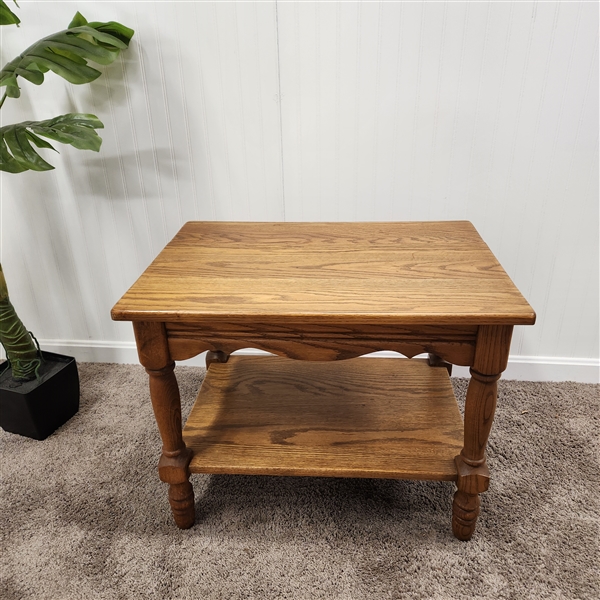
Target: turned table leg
x=216 y=356
x=436 y=361
x=473 y=476
x=173 y=466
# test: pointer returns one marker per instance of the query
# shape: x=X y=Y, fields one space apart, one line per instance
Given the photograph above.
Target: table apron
x=454 y=344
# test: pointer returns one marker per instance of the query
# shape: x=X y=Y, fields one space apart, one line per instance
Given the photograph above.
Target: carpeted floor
x=84 y=516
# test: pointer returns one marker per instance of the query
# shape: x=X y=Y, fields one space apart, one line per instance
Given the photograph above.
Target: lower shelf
x=365 y=417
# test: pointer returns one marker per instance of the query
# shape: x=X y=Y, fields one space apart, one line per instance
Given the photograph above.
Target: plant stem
x=20 y=349
x=3 y=99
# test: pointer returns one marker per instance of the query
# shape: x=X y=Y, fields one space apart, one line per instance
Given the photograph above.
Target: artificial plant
x=66 y=53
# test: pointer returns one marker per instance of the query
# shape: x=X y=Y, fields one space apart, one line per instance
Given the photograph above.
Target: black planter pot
x=36 y=408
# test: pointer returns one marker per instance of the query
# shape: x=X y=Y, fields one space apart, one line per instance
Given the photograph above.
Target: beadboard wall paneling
x=479 y=111
x=192 y=131
x=483 y=111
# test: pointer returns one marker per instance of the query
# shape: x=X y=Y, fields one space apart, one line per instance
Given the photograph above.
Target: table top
x=382 y=273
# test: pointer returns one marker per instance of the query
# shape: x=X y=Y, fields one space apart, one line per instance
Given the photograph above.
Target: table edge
x=526 y=318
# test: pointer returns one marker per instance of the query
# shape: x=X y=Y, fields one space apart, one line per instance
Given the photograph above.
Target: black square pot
x=36 y=408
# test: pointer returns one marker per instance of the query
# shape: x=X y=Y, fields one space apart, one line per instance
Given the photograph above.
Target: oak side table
x=312 y=294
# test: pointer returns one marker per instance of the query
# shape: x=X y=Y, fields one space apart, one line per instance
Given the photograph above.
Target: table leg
x=173 y=466
x=491 y=357
x=436 y=361
x=216 y=356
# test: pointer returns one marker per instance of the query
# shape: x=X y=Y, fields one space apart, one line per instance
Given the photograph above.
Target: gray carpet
x=84 y=516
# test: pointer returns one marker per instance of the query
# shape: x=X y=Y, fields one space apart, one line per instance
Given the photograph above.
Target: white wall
x=317 y=111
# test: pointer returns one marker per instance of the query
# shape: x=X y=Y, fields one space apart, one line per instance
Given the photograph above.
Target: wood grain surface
x=304 y=341
x=366 y=417
x=326 y=273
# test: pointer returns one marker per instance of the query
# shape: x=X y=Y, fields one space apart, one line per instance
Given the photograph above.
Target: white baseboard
x=546 y=368
x=522 y=368
x=538 y=368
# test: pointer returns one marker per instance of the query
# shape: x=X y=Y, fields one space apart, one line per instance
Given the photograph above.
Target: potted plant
x=39 y=391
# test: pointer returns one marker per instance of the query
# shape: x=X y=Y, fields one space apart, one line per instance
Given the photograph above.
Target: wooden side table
x=322 y=292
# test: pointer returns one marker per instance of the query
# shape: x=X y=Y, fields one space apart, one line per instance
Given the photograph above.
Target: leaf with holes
x=17 y=152
x=67 y=53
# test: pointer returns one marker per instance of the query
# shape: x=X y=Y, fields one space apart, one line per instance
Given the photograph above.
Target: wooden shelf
x=365 y=417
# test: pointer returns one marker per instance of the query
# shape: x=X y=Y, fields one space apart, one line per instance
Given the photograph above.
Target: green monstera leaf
x=7 y=16
x=17 y=153
x=66 y=53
